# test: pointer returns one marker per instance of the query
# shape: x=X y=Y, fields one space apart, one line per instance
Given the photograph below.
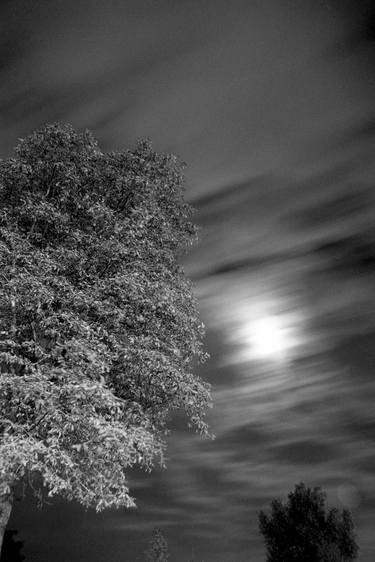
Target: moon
x=270 y=338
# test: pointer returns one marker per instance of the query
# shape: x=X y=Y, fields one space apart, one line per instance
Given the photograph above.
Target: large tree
x=99 y=327
x=301 y=530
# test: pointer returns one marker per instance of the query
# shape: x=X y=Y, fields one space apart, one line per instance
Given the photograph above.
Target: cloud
x=271 y=105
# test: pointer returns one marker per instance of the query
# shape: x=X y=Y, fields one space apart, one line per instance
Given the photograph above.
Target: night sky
x=271 y=105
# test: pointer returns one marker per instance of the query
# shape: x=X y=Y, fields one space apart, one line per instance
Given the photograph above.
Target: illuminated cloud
x=271 y=106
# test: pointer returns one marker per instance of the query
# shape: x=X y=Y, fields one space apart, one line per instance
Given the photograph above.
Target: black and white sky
x=271 y=105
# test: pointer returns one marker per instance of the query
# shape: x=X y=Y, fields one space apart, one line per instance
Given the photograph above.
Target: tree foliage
x=158 y=550
x=99 y=327
x=302 y=530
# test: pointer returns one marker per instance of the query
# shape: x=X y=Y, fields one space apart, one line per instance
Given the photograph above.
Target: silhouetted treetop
x=301 y=530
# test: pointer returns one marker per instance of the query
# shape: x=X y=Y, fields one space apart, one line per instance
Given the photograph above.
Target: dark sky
x=271 y=104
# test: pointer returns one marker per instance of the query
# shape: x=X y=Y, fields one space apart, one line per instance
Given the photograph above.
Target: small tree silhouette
x=11 y=551
x=302 y=530
x=158 y=550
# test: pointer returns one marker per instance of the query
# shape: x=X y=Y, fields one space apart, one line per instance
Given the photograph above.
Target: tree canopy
x=99 y=329
x=302 y=529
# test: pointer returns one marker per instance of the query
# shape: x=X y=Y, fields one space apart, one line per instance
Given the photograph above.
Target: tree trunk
x=5 y=509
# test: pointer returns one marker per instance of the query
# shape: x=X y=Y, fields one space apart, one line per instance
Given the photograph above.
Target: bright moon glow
x=270 y=338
